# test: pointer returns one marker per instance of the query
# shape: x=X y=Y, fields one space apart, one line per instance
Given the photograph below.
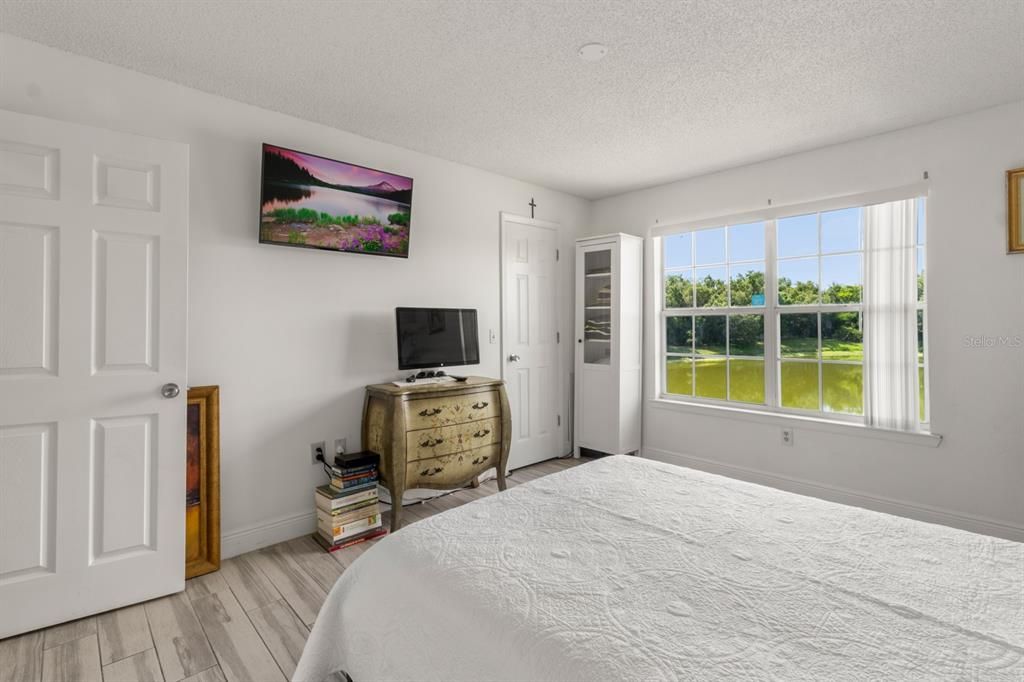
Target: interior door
x=93 y=238
x=529 y=337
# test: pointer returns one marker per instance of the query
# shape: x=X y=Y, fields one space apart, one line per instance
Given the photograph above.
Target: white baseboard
x=918 y=512
x=264 y=535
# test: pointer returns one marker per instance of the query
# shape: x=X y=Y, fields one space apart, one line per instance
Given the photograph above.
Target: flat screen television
x=436 y=337
x=316 y=203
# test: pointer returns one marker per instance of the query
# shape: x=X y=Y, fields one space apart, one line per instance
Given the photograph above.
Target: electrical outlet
x=322 y=447
x=340 y=445
x=787 y=437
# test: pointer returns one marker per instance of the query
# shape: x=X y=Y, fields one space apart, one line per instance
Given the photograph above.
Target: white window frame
x=772 y=309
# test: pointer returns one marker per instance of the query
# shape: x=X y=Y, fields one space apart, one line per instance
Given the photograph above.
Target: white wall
x=975 y=479
x=291 y=335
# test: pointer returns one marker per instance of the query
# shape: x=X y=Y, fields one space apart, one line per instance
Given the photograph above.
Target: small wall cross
x=533 y=205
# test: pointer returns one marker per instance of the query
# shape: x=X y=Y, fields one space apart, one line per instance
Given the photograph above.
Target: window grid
x=774 y=308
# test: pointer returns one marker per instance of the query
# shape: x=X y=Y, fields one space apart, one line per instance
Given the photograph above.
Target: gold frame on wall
x=1014 y=213
x=202 y=519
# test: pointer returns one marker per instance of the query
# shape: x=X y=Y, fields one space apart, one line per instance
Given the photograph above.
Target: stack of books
x=347 y=510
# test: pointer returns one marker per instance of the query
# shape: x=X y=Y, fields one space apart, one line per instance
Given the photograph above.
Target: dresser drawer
x=427 y=443
x=452 y=470
x=429 y=413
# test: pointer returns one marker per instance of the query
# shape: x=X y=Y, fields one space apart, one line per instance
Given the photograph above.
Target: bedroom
x=694 y=119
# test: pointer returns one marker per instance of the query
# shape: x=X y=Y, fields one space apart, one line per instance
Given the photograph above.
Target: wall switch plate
x=787 y=437
x=492 y=336
x=340 y=445
x=323 y=450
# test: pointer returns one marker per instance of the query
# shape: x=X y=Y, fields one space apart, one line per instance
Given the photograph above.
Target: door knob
x=170 y=390
x=514 y=358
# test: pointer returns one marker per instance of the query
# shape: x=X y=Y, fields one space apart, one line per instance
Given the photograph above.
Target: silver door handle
x=514 y=358
x=170 y=390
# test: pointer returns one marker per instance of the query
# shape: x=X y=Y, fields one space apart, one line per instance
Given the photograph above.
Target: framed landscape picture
x=1014 y=214
x=317 y=203
x=202 y=481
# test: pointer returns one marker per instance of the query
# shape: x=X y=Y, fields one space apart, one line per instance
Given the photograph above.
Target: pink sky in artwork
x=339 y=173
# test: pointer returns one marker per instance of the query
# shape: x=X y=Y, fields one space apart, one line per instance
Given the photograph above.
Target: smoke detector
x=593 y=52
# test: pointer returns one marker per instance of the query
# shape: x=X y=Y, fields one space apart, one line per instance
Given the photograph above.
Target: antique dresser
x=437 y=436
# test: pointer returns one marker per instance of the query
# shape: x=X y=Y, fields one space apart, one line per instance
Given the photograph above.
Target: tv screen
x=316 y=203
x=436 y=337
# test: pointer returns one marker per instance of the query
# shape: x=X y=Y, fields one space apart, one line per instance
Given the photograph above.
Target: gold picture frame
x=1014 y=214
x=202 y=481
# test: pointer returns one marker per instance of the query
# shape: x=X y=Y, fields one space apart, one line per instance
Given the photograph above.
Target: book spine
x=340 y=532
x=356 y=471
x=352 y=516
x=343 y=484
x=330 y=499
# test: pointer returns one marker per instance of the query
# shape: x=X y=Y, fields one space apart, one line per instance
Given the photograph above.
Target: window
x=773 y=313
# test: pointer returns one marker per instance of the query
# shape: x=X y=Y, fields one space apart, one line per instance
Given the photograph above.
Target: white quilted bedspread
x=629 y=569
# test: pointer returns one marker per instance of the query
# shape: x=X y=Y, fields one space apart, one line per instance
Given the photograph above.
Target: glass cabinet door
x=597 y=307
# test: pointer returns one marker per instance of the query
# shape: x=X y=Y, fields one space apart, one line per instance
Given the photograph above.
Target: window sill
x=921 y=439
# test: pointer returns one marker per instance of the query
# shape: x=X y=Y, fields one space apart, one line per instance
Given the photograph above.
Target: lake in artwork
x=313 y=202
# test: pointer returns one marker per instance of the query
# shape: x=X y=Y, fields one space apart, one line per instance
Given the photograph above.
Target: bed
x=631 y=569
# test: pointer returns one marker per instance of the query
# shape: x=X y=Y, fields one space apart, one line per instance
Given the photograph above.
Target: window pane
x=710 y=377
x=746 y=381
x=712 y=291
x=746 y=287
x=841 y=278
x=840 y=230
x=798 y=281
x=679 y=334
x=746 y=242
x=710 y=246
x=920 y=274
x=799 y=385
x=798 y=235
x=920 y=336
x=798 y=335
x=679 y=289
x=709 y=333
x=842 y=336
x=842 y=388
x=746 y=335
x=679 y=376
x=677 y=251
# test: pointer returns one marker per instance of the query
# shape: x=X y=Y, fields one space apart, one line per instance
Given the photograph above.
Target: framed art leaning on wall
x=1014 y=214
x=202 y=481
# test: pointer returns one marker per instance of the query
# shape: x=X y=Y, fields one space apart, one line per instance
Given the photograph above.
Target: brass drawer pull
x=478 y=460
x=431 y=471
x=426 y=412
x=431 y=442
x=481 y=433
x=480 y=405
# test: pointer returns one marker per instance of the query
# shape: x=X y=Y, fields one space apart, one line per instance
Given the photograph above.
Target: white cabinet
x=609 y=300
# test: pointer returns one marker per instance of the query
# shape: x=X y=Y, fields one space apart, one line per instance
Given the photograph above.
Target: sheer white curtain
x=890 y=316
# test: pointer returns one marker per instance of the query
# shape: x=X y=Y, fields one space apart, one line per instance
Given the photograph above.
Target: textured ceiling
x=687 y=87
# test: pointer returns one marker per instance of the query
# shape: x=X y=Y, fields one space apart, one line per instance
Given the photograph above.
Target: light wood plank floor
x=247 y=622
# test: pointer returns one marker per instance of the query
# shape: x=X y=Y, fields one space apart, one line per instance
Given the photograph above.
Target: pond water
x=333 y=201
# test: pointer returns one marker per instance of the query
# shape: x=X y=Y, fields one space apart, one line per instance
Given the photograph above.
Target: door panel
x=28 y=259
x=93 y=237
x=529 y=339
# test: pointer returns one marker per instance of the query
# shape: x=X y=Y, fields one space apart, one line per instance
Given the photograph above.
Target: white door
x=529 y=337
x=93 y=237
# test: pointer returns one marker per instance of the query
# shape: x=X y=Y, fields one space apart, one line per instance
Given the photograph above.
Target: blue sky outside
x=797 y=236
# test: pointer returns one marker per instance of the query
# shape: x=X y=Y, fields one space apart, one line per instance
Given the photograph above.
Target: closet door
x=93 y=237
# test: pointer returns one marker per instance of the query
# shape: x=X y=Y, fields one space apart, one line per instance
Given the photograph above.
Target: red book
x=348 y=542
